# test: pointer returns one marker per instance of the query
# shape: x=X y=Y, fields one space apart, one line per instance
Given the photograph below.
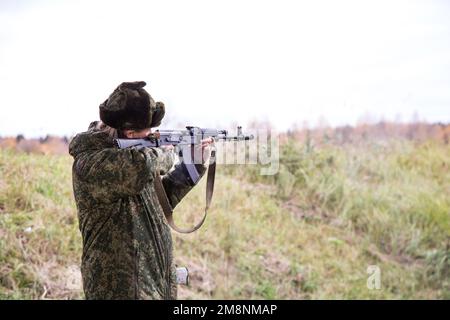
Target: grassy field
x=309 y=232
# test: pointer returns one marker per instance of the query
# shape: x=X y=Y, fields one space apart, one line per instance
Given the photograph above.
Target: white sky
x=217 y=62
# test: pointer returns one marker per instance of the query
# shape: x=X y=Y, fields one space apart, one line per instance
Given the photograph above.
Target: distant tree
x=45 y=139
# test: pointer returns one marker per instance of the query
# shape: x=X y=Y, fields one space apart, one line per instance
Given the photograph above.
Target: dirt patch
x=201 y=278
x=275 y=263
x=59 y=282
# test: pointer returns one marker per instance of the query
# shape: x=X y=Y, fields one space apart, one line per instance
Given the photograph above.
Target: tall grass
x=39 y=238
x=391 y=197
x=309 y=232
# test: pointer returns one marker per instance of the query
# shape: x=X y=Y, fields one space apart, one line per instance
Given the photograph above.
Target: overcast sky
x=217 y=62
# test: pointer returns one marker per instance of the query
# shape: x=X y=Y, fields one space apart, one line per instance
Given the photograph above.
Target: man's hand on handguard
x=207 y=146
x=202 y=152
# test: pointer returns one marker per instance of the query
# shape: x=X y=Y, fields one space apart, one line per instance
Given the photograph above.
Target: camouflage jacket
x=127 y=244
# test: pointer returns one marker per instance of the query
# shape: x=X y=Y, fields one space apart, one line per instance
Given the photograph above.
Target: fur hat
x=131 y=107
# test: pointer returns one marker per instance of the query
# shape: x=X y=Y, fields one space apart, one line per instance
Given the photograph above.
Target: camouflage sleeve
x=176 y=183
x=159 y=159
x=123 y=172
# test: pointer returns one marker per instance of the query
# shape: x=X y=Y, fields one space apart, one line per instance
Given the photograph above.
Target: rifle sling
x=167 y=208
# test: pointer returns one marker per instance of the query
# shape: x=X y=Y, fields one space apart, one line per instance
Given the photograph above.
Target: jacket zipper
x=136 y=272
x=169 y=276
x=162 y=254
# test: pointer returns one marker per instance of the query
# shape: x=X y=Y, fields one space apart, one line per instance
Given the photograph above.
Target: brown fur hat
x=131 y=107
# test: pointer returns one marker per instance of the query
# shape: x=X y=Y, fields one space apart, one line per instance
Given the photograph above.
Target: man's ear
x=128 y=133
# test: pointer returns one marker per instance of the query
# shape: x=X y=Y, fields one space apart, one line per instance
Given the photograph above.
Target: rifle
x=190 y=136
x=184 y=141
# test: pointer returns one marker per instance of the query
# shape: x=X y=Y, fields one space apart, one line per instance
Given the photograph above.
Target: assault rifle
x=184 y=141
x=190 y=136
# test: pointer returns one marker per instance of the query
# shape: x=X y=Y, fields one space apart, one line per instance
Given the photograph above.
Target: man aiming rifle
x=126 y=183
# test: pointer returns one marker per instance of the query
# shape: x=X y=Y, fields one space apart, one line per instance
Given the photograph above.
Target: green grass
x=40 y=243
x=309 y=232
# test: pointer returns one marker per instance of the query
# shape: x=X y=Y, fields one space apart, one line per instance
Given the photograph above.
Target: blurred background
x=357 y=92
x=214 y=62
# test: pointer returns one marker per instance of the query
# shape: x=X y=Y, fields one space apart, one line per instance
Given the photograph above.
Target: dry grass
x=308 y=233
